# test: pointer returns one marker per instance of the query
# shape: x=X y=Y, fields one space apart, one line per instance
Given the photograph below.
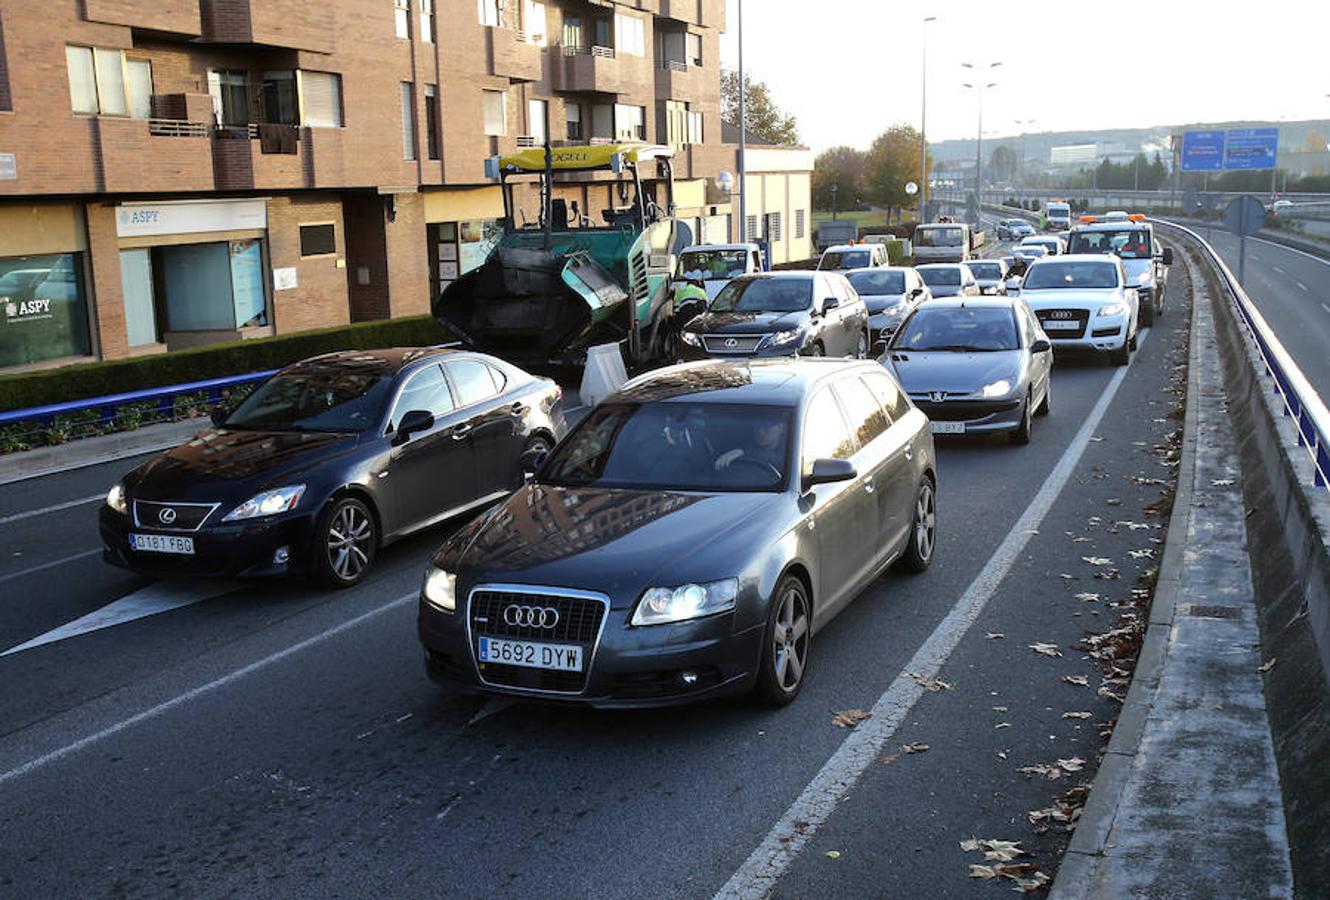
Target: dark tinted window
x=891 y=397
x=879 y=282
x=765 y=295
x=850 y=259
x=941 y=277
x=826 y=435
x=314 y=397
x=473 y=381
x=986 y=270
x=317 y=240
x=424 y=390
x=867 y=418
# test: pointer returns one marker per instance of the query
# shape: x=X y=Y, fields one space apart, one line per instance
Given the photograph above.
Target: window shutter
x=320 y=99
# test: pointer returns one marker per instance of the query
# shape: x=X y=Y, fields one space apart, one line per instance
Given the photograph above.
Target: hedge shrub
x=83 y=380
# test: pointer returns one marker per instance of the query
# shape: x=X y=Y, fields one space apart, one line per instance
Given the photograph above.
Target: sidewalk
x=92 y=451
x=1187 y=800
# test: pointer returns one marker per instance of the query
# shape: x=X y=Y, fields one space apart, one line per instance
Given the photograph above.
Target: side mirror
x=917 y=292
x=530 y=461
x=1041 y=346
x=1168 y=256
x=414 y=421
x=829 y=471
x=218 y=415
x=829 y=304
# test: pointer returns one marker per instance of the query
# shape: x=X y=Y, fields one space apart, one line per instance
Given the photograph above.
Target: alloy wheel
x=349 y=537
x=925 y=522
x=790 y=638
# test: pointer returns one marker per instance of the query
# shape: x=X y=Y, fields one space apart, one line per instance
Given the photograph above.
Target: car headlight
x=781 y=338
x=996 y=389
x=115 y=498
x=690 y=338
x=662 y=605
x=1112 y=309
x=440 y=589
x=268 y=503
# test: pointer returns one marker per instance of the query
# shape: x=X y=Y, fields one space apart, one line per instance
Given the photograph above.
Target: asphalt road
x=269 y=739
x=1292 y=291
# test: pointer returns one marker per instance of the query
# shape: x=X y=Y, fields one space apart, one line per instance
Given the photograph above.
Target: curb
x=96 y=450
x=1101 y=808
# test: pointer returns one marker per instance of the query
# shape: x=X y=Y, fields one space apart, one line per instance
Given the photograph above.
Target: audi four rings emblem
x=731 y=342
x=167 y=515
x=1061 y=314
x=531 y=616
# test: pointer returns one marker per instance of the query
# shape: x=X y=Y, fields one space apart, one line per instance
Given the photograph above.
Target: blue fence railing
x=155 y=405
x=1301 y=401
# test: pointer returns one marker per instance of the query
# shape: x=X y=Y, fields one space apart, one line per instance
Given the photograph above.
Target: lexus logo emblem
x=531 y=616
x=731 y=342
x=937 y=396
x=167 y=515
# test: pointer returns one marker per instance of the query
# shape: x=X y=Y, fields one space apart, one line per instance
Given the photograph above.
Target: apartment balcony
x=247 y=159
x=513 y=56
x=678 y=81
x=589 y=69
x=139 y=155
x=681 y=11
x=170 y=16
x=270 y=23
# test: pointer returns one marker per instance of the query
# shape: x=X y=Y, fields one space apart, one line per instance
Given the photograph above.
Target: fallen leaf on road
x=1105 y=692
x=1046 y=649
x=833 y=854
x=1075 y=715
x=978 y=871
x=971 y=844
x=1052 y=773
x=1097 y=439
x=999 y=709
x=1075 y=764
x=888 y=760
x=849 y=718
x=1142 y=554
x=1002 y=754
x=1031 y=884
x=1088 y=597
x=1108 y=574
x=1080 y=540
x=1079 y=680
x=1113 y=501
x=1066 y=576
x=1222 y=482
x=933 y=684
x=1269 y=664
x=1001 y=725
x=994 y=635
x=1096 y=560
x=914 y=747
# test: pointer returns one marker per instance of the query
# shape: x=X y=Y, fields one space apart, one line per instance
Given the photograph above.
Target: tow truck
x=551 y=289
x=1132 y=238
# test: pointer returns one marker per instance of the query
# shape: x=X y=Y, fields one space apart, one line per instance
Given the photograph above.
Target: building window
x=629 y=122
x=602 y=121
x=799 y=229
x=629 y=35
x=138 y=75
x=43 y=309
x=432 y=121
x=534 y=23
x=750 y=229
x=694 y=133
x=601 y=32
x=572 y=31
x=427 y=21
x=408 y=122
x=694 y=49
x=537 y=111
x=320 y=99
x=572 y=114
x=773 y=227
x=277 y=98
x=489 y=13
x=496 y=112
x=318 y=240
x=402 y=18
x=230 y=97
x=97 y=82
x=6 y=102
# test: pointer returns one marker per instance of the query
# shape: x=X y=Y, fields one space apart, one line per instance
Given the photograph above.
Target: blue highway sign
x=1251 y=148
x=1202 y=151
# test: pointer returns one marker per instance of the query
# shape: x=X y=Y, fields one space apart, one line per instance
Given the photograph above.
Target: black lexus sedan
x=665 y=551
x=328 y=461
x=780 y=314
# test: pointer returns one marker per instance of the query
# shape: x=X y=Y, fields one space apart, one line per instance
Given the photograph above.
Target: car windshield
x=847 y=259
x=958 y=329
x=765 y=295
x=1031 y=251
x=675 y=445
x=880 y=281
x=939 y=237
x=949 y=277
x=1059 y=212
x=1129 y=243
x=315 y=398
x=713 y=264
x=987 y=270
x=1071 y=275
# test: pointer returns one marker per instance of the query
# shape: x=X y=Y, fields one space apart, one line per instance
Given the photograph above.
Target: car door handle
x=517 y=408
x=909 y=451
x=461 y=431
x=868 y=484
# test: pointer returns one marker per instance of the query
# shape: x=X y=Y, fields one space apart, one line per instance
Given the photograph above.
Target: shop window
x=496 y=112
x=140 y=306
x=43 y=309
x=318 y=240
x=320 y=99
x=212 y=287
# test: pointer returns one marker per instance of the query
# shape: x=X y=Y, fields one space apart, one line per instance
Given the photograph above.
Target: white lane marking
x=200 y=691
x=1279 y=270
x=1324 y=262
x=149 y=601
x=48 y=565
x=758 y=876
x=1325 y=307
x=18 y=517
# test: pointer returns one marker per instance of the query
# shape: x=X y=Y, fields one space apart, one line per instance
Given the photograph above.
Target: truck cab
x=942 y=242
x=1057 y=216
x=1132 y=239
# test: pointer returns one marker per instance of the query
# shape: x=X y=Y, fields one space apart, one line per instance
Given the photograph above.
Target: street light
x=923 y=123
x=743 y=136
x=979 y=86
x=1023 y=124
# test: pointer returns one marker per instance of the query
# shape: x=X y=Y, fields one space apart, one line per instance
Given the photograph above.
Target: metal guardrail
x=43 y=418
x=1300 y=400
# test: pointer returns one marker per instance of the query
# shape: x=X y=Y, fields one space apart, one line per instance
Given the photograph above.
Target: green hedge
x=84 y=380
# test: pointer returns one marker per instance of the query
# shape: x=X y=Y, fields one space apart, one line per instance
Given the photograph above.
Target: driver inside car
x=765 y=447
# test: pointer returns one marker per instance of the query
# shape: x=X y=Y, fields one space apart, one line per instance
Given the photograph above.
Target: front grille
x=720 y=343
x=580 y=621
x=1079 y=316
x=161 y=516
x=962 y=410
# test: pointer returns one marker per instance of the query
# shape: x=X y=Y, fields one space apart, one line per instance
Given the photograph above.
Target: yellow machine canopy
x=595 y=156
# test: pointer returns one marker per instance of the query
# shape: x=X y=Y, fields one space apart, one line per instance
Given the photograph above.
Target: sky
x=848 y=69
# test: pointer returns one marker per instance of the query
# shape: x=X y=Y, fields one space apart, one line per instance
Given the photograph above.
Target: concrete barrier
x=604 y=373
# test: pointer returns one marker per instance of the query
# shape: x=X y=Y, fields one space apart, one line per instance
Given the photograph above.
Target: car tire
x=536 y=442
x=786 y=643
x=1135 y=335
x=1021 y=433
x=1045 y=405
x=1148 y=313
x=922 y=540
x=1122 y=355
x=345 y=542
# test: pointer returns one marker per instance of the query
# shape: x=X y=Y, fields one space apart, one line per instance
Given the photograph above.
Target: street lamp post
x=743 y=135
x=979 y=86
x=834 y=188
x=1023 y=124
x=923 y=124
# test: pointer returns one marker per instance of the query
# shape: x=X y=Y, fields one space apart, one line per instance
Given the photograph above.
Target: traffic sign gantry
x=1251 y=148
x=1202 y=151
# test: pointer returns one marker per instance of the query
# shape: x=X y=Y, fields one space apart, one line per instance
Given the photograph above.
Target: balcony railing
x=673 y=65
x=594 y=50
x=527 y=140
x=177 y=128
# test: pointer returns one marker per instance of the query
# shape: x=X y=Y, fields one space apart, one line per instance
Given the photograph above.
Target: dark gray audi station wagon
x=688 y=538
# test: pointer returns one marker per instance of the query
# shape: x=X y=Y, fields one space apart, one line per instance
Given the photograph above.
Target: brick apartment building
x=182 y=172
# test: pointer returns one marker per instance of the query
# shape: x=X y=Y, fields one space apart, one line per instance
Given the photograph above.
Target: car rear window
x=880 y=282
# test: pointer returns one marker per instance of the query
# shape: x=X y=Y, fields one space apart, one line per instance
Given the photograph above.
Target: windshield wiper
x=958 y=348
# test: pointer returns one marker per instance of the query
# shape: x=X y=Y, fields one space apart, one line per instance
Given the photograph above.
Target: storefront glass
x=213 y=287
x=43 y=309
